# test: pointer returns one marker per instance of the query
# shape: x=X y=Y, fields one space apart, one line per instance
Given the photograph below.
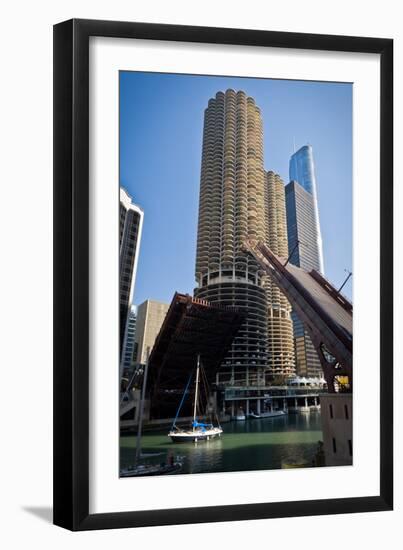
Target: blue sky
x=161 y=123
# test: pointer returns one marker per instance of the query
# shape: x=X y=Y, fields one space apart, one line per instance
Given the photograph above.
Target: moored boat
x=240 y=415
x=151 y=469
x=199 y=431
x=268 y=414
x=271 y=414
x=202 y=432
x=148 y=469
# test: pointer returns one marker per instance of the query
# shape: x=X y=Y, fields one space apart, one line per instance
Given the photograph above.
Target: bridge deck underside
x=192 y=327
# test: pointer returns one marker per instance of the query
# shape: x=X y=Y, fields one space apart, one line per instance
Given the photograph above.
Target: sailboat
x=173 y=465
x=139 y=469
x=199 y=431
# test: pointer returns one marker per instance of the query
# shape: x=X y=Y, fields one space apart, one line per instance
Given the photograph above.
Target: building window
x=346 y=411
x=334 y=445
x=331 y=410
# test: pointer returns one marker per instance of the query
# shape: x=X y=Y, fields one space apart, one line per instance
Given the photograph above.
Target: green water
x=255 y=444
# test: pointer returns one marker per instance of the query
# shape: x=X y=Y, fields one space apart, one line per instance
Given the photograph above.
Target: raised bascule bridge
x=328 y=319
x=326 y=314
x=192 y=328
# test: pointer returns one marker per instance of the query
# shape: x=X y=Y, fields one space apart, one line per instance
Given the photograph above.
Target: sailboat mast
x=196 y=390
x=141 y=410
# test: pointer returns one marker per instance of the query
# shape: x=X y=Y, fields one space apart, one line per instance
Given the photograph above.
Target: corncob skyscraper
x=239 y=200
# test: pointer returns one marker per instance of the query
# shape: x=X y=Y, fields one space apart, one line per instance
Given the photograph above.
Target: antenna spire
x=349 y=273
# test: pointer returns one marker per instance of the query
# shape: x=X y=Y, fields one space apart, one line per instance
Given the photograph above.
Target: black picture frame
x=72 y=284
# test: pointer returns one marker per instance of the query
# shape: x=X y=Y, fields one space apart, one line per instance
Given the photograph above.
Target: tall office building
x=233 y=206
x=304 y=243
x=150 y=316
x=302 y=170
x=130 y=227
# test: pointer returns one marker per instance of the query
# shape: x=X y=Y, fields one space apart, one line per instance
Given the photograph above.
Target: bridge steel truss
x=326 y=314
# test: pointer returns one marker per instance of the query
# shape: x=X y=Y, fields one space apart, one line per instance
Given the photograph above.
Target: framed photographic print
x=222 y=200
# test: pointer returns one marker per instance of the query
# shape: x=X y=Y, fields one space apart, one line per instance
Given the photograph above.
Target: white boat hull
x=272 y=414
x=194 y=435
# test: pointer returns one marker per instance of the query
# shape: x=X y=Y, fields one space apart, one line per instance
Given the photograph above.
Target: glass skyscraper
x=304 y=244
x=302 y=170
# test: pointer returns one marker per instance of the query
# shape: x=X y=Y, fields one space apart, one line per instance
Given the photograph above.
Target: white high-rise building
x=130 y=228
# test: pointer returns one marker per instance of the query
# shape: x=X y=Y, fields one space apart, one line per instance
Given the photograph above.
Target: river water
x=254 y=444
